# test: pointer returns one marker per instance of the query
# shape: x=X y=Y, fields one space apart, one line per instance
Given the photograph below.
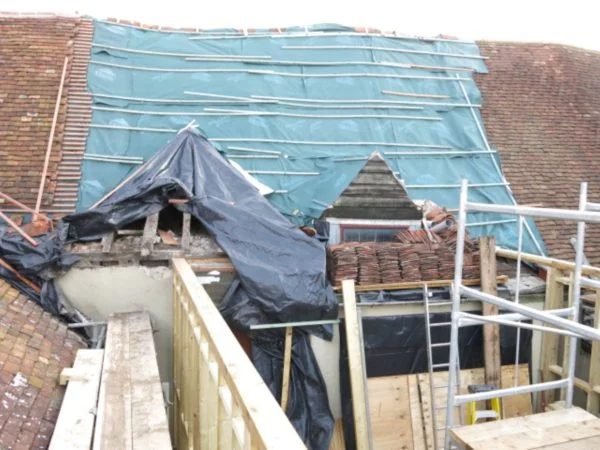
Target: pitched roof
x=539 y=111
x=32 y=55
x=542 y=111
x=34 y=348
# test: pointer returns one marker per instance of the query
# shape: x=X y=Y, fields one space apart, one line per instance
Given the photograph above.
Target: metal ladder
x=433 y=366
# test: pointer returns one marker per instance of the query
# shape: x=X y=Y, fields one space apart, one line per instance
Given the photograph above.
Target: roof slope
x=34 y=348
x=32 y=55
x=542 y=111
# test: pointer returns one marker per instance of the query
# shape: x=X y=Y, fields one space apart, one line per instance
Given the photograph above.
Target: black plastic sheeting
x=39 y=264
x=312 y=419
x=281 y=270
x=397 y=345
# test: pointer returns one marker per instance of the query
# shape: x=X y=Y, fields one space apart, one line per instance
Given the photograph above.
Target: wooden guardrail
x=220 y=400
x=552 y=365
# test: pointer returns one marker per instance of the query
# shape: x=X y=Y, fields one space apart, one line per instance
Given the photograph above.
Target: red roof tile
x=32 y=55
x=34 y=348
x=541 y=109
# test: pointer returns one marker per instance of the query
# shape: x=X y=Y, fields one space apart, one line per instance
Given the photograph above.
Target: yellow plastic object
x=472 y=416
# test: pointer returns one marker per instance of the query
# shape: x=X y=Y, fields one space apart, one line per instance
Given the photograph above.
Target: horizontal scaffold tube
x=382 y=49
x=532 y=313
x=473 y=320
x=369 y=101
x=318 y=34
x=530 y=211
x=547 y=261
x=499 y=393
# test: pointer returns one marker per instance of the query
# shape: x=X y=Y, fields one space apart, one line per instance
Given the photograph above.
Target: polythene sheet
x=281 y=270
x=308 y=404
x=143 y=84
x=39 y=264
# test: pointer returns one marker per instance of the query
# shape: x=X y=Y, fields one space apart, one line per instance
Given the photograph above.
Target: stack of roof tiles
x=34 y=348
x=394 y=262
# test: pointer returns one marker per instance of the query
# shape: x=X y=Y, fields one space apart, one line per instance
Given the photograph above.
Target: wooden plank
x=488 y=435
x=543 y=436
x=287 y=363
x=516 y=405
x=390 y=412
x=355 y=363
x=107 y=242
x=545 y=261
x=131 y=412
x=502 y=279
x=593 y=398
x=113 y=421
x=337 y=440
x=549 y=354
x=149 y=236
x=579 y=444
x=75 y=424
x=491 y=332
x=566 y=340
x=416 y=414
x=512 y=406
x=186 y=235
x=427 y=410
x=578 y=382
x=72 y=374
x=149 y=424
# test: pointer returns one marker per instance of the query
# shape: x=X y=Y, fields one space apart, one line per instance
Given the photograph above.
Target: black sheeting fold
x=39 y=264
x=281 y=271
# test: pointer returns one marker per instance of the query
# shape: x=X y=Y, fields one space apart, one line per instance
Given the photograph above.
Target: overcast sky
x=573 y=22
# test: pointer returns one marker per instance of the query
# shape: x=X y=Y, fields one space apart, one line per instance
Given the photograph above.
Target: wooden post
x=186 y=235
x=38 y=203
x=287 y=364
x=107 y=241
x=593 y=397
x=149 y=235
x=355 y=364
x=549 y=354
x=491 y=333
x=566 y=339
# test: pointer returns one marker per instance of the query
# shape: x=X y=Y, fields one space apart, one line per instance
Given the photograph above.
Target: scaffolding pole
x=570 y=326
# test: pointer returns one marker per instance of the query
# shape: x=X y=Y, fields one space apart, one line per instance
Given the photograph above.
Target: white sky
x=574 y=22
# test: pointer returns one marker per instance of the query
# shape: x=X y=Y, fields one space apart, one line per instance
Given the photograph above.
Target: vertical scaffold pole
x=454 y=355
x=576 y=295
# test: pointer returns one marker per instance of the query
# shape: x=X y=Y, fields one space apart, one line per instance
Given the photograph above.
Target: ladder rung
x=486 y=414
x=437 y=366
x=440 y=344
x=440 y=324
